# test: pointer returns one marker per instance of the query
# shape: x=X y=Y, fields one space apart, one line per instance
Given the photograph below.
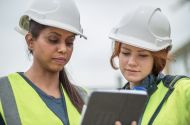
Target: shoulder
x=183 y=83
x=176 y=81
x=82 y=92
x=81 y=89
x=182 y=91
x=9 y=77
x=3 y=79
x=183 y=86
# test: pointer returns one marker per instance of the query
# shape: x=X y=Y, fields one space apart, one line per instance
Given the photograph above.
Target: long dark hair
x=71 y=91
x=35 y=29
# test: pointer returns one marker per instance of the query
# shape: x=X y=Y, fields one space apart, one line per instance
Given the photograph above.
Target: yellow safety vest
x=175 y=110
x=32 y=109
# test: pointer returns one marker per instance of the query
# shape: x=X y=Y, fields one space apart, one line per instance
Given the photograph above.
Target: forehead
x=132 y=48
x=57 y=31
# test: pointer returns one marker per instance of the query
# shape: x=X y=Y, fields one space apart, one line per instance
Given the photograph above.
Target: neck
x=132 y=85
x=46 y=81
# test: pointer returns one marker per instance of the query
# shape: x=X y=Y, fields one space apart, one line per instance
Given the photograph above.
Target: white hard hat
x=61 y=14
x=145 y=28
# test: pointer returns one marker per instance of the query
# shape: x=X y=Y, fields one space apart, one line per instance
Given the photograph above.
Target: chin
x=56 y=69
x=133 y=79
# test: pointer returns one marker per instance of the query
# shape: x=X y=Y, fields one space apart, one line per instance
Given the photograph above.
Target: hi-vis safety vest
x=30 y=108
x=173 y=111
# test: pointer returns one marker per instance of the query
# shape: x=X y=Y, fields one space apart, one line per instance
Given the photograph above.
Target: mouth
x=131 y=70
x=59 y=60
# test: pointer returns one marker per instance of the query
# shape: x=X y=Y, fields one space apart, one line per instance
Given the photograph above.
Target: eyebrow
x=141 y=50
x=55 y=33
x=72 y=35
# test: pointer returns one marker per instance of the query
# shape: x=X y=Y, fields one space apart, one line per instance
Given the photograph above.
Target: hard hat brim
x=138 y=42
x=23 y=28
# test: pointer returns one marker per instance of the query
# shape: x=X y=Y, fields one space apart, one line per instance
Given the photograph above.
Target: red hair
x=160 y=58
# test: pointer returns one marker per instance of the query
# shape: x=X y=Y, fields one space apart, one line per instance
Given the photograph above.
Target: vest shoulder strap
x=169 y=81
x=82 y=92
x=8 y=103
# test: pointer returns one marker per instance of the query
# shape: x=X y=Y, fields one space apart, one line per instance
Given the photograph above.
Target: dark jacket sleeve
x=1 y=120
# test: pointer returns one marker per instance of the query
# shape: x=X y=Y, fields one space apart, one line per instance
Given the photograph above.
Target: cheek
x=148 y=65
x=41 y=46
x=122 y=64
x=122 y=60
x=46 y=50
x=69 y=53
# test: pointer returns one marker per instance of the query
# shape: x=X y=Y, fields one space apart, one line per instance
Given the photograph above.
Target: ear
x=30 y=41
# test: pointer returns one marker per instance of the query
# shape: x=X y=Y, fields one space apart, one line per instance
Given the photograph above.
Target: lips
x=131 y=70
x=60 y=60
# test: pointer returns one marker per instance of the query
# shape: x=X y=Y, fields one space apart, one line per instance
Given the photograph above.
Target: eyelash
x=69 y=44
x=53 y=41
x=125 y=53
x=143 y=55
x=128 y=53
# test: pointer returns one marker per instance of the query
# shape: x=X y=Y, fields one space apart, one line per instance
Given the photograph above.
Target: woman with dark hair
x=43 y=95
x=142 y=43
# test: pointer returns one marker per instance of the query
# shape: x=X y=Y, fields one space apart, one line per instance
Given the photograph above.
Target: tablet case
x=106 y=107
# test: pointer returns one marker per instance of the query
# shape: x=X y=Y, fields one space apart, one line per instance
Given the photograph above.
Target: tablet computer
x=106 y=107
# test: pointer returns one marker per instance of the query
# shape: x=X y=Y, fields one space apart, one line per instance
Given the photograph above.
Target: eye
x=143 y=55
x=70 y=40
x=125 y=53
x=53 y=40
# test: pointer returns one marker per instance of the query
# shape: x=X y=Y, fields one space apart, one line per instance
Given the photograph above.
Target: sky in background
x=89 y=65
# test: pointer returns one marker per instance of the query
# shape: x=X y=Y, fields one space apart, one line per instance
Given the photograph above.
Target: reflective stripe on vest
x=8 y=103
x=32 y=109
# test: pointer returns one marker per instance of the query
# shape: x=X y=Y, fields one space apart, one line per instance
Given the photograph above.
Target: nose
x=132 y=61
x=62 y=47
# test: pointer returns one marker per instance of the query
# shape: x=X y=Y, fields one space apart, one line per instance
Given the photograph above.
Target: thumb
x=117 y=123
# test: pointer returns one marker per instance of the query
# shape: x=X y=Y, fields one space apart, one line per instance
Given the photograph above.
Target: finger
x=117 y=123
x=133 y=123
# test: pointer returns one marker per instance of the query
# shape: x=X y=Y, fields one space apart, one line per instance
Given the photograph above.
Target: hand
x=119 y=123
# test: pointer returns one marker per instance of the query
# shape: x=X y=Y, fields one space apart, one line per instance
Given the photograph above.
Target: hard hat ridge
x=61 y=14
x=145 y=28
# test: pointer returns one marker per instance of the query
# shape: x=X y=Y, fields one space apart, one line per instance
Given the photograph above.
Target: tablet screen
x=106 y=107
